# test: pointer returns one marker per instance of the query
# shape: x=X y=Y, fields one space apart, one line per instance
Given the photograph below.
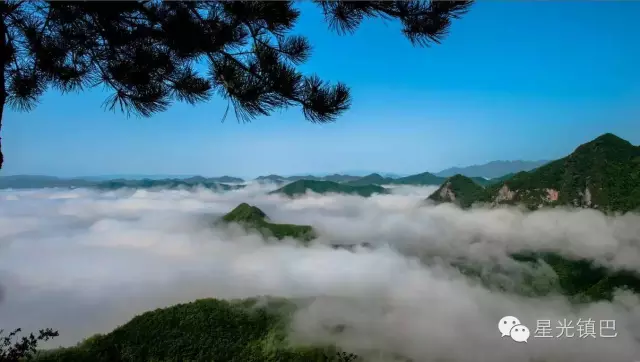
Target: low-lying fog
x=83 y=261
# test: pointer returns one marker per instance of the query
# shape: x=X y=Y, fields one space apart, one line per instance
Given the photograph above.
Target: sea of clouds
x=83 y=262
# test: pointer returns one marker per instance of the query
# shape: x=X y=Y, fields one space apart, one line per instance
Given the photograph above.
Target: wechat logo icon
x=510 y=326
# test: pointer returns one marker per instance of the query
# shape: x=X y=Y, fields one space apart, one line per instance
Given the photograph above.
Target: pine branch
x=145 y=51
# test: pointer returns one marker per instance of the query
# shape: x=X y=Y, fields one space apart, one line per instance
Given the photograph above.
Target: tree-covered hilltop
x=300 y=187
x=227 y=179
x=252 y=330
x=603 y=174
x=251 y=217
x=458 y=189
x=256 y=329
x=336 y=177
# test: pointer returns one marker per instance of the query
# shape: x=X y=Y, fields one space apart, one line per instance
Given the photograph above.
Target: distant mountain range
x=483 y=175
x=36 y=182
x=133 y=177
x=336 y=182
x=300 y=187
x=492 y=169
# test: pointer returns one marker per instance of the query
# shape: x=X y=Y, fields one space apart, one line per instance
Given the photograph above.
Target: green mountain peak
x=245 y=213
x=602 y=174
x=606 y=142
x=609 y=138
x=458 y=189
x=251 y=217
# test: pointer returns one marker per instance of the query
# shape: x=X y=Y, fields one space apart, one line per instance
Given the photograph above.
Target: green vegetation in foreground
x=300 y=187
x=252 y=217
x=252 y=330
x=603 y=174
x=458 y=189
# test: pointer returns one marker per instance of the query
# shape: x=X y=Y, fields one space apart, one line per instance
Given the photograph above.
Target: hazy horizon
x=351 y=172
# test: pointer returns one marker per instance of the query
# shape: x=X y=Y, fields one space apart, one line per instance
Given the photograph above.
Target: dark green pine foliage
x=458 y=189
x=608 y=167
x=300 y=187
x=253 y=330
x=252 y=217
x=152 y=53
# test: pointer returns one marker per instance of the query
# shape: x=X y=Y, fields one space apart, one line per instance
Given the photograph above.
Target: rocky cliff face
x=504 y=194
x=534 y=197
x=446 y=193
x=586 y=197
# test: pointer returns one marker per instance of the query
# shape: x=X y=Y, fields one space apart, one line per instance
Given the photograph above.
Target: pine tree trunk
x=4 y=59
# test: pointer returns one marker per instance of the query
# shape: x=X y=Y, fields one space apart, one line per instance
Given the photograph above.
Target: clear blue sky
x=513 y=80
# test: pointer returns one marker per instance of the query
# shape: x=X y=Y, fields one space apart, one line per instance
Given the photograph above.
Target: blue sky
x=513 y=80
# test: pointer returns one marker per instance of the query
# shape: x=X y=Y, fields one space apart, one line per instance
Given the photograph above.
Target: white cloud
x=83 y=262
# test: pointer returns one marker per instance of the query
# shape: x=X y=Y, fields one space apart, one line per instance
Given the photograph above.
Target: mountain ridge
x=492 y=169
x=300 y=187
x=602 y=174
